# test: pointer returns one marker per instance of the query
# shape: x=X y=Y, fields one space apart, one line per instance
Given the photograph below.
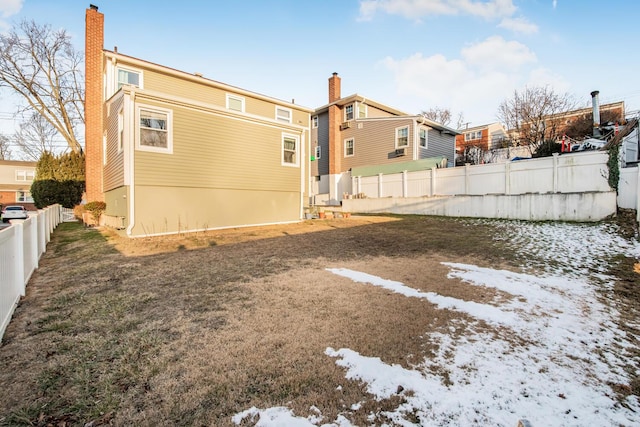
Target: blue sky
x=465 y=55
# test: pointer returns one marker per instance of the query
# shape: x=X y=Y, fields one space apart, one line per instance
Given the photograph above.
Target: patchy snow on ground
x=549 y=355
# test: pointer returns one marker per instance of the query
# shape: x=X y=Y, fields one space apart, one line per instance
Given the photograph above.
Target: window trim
x=231 y=96
x=353 y=147
x=26 y=173
x=363 y=107
x=282 y=119
x=346 y=113
x=396 y=136
x=426 y=137
x=28 y=198
x=285 y=136
x=157 y=110
x=129 y=70
x=314 y=122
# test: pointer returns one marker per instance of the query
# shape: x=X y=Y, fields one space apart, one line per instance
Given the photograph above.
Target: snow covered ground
x=556 y=373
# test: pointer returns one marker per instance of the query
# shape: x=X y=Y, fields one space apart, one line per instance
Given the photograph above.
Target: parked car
x=14 y=212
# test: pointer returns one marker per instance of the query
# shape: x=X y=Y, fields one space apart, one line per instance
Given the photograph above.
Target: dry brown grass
x=189 y=330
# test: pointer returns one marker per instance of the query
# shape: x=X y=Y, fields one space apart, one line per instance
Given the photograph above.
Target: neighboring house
x=355 y=131
x=169 y=151
x=482 y=138
x=16 y=178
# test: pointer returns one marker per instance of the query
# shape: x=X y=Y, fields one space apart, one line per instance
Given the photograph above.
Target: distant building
x=16 y=178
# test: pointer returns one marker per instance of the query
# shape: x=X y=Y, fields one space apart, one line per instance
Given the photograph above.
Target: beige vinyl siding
x=214 y=151
x=183 y=88
x=114 y=168
x=199 y=209
x=117 y=202
x=375 y=143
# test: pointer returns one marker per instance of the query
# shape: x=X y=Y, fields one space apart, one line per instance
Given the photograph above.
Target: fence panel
x=628 y=188
x=21 y=246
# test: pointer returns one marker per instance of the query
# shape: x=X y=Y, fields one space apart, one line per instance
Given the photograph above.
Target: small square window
x=128 y=77
x=314 y=122
x=283 y=114
x=154 y=129
x=235 y=103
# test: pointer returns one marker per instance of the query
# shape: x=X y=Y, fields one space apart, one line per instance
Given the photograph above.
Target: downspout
x=303 y=164
x=132 y=154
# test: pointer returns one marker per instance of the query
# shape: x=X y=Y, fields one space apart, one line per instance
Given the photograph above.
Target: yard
x=370 y=320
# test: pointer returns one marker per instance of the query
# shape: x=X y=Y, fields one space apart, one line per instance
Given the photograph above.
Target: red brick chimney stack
x=335 y=119
x=334 y=88
x=94 y=44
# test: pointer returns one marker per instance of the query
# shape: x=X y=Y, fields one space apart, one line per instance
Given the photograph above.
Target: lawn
x=353 y=321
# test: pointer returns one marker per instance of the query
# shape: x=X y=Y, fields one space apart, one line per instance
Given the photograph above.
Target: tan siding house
x=182 y=153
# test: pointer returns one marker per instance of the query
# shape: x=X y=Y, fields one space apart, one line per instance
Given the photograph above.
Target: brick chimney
x=335 y=119
x=94 y=43
x=334 y=88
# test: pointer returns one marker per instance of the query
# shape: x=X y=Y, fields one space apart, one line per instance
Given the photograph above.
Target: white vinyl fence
x=568 y=187
x=569 y=173
x=21 y=246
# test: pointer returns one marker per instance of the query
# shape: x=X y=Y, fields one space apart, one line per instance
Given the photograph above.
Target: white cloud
x=519 y=25
x=497 y=53
x=10 y=7
x=414 y=9
x=555 y=3
x=485 y=74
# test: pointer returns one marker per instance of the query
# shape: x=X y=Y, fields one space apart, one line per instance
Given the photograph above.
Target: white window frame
x=233 y=97
x=314 y=122
x=25 y=175
x=281 y=118
x=426 y=137
x=128 y=70
x=347 y=113
x=353 y=147
x=363 y=108
x=26 y=197
x=398 y=129
x=296 y=154
x=318 y=152
x=157 y=110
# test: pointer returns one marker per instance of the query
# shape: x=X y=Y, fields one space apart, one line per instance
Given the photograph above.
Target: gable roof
x=391 y=168
x=359 y=98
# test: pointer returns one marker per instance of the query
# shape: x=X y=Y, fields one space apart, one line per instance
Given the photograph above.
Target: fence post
x=42 y=238
x=466 y=178
x=555 y=172
x=507 y=177
x=379 y=185
x=432 y=190
x=19 y=251
x=405 y=185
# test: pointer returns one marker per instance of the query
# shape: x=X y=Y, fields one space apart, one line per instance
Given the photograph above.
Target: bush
x=96 y=209
x=48 y=192
x=78 y=210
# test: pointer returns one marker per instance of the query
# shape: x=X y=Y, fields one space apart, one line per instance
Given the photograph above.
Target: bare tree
x=36 y=136
x=5 y=153
x=42 y=66
x=532 y=115
x=439 y=115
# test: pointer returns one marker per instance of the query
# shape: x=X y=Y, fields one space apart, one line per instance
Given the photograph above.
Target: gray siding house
x=355 y=131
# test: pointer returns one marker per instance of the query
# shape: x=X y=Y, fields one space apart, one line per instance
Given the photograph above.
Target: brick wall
x=335 y=119
x=94 y=42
